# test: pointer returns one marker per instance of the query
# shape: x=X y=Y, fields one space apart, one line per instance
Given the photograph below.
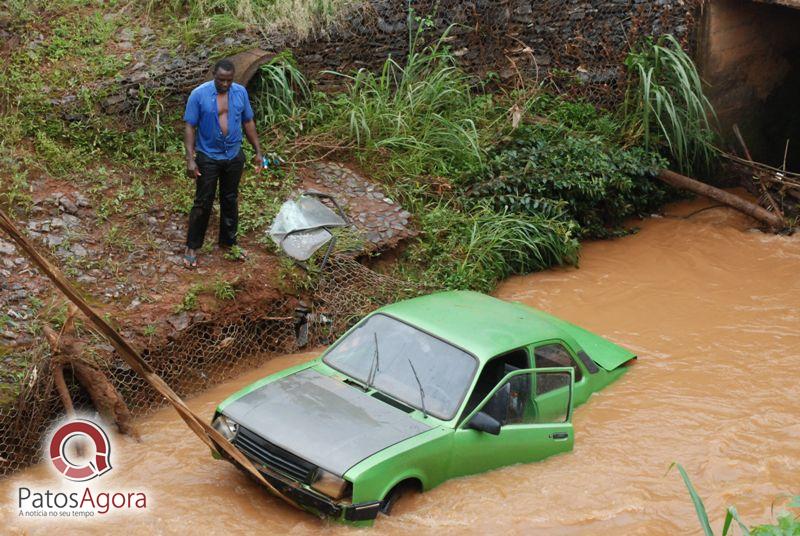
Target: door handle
x=559 y=436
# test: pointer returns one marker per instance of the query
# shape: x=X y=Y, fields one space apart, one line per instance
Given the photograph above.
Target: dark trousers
x=228 y=173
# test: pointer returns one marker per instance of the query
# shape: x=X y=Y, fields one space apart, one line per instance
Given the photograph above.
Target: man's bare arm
x=188 y=143
x=252 y=137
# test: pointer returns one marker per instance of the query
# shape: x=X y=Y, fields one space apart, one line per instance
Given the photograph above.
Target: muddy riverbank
x=710 y=306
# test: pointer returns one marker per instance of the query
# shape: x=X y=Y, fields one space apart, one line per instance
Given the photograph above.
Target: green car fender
x=424 y=457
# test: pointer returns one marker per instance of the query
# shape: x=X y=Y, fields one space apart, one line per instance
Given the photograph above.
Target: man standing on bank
x=216 y=113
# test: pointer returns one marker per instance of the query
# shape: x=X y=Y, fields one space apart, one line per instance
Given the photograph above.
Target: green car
x=418 y=392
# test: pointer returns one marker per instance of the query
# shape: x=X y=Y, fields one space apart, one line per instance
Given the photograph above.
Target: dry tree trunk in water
x=66 y=350
x=771 y=220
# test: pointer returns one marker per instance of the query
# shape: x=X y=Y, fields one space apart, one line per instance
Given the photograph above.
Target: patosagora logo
x=79 y=450
x=80 y=471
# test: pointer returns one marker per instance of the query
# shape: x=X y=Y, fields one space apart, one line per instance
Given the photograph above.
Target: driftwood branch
x=771 y=220
x=764 y=189
x=784 y=176
x=63 y=391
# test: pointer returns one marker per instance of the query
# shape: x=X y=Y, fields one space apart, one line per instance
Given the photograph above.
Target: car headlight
x=331 y=485
x=225 y=426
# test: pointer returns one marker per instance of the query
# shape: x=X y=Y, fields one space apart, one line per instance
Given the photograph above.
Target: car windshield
x=407 y=364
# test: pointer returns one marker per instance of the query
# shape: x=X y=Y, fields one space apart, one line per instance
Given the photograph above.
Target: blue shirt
x=201 y=112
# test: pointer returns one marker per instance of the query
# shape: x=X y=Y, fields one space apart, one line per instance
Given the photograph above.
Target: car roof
x=480 y=324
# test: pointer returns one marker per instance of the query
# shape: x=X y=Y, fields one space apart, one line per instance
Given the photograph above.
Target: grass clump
x=665 y=103
x=282 y=95
x=223 y=290
x=189 y=300
x=475 y=249
x=419 y=117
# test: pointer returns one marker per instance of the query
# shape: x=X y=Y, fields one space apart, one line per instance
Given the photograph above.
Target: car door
x=526 y=434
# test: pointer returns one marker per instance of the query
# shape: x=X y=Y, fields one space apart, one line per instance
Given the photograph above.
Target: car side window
x=553 y=355
x=512 y=403
x=494 y=371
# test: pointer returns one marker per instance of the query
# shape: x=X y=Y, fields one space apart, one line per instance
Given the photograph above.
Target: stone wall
x=578 y=45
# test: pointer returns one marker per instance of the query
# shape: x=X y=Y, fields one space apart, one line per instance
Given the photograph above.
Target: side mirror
x=483 y=422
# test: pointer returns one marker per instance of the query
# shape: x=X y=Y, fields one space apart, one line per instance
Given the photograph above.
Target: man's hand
x=188 y=143
x=258 y=161
x=192 y=171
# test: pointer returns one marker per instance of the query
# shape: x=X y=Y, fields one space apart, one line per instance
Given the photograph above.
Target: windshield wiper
x=421 y=391
x=376 y=362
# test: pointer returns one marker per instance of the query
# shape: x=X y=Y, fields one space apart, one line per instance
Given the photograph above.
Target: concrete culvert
x=246 y=65
x=749 y=55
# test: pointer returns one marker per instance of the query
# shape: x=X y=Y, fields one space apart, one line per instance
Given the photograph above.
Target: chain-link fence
x=204 y=354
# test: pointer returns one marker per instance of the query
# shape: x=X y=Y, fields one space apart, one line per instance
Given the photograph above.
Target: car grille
x=273 y=456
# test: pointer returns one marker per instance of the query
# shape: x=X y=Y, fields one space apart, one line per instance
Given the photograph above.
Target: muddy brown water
x=710 y=306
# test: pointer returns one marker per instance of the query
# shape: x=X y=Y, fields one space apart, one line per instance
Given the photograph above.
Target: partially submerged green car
x=418 y=392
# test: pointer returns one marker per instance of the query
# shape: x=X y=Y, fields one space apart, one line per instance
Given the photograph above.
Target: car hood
x=323 y=420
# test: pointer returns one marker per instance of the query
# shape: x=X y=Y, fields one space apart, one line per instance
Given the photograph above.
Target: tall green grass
x=419 y=117
x=665 y=103
x=282 y=96
x=476 y=248
x=506 y=243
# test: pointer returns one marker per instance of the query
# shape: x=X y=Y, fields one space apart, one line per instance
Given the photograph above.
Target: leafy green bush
x=477 y=248
x=665 y=103
x=597 y=183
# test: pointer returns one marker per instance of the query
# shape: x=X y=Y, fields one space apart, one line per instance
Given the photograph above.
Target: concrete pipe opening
x=750 y=56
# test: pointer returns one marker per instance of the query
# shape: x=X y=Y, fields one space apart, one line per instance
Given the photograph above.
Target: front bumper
x=348 y=512
x=316 y=503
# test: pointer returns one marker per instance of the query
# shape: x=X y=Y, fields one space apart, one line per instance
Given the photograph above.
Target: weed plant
x=665 y=103
x=282 y=96
x=418 y=118
x=787 y=525
x=224 y=290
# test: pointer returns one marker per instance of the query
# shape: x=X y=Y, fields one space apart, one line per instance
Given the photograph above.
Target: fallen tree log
x=66 y=350
x=771 y=220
